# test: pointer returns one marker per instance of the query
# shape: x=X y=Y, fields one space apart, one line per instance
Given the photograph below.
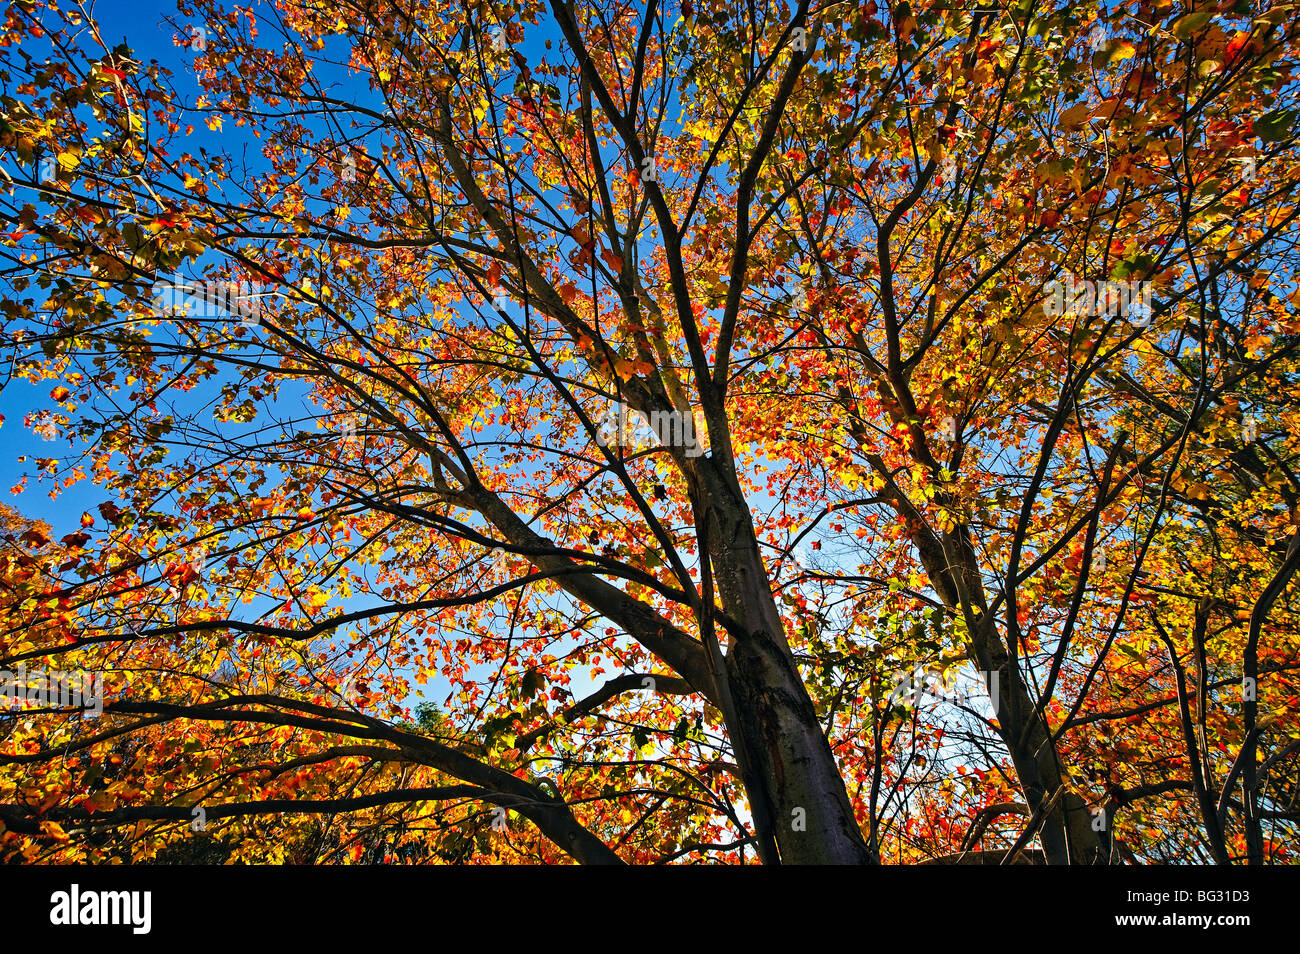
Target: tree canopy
x=584 y=430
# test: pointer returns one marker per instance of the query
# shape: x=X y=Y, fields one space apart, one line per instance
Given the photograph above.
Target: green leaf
x=1274 y=126
x=533 y=683
x=1188 y=24
x=680 y=730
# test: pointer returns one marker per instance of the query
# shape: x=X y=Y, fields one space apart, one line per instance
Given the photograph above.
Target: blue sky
x=143 y=27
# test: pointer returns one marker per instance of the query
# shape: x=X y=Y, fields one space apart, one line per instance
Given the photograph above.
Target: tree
x=748 y=356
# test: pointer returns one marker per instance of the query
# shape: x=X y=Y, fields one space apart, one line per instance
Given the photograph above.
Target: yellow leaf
x=1123 y=50
x=1074 y=117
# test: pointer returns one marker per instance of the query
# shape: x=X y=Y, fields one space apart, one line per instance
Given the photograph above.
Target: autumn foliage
x=331 y=323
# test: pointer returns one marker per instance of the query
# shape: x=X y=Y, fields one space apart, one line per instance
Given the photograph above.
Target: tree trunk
x=792 y=778
x=1067 y=833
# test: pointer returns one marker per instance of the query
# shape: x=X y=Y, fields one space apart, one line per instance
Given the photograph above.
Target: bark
x=1066 y=833
x=952 y=567
x=791 y=776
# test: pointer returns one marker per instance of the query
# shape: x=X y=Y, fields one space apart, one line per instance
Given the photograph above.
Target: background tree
x=649 y=389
